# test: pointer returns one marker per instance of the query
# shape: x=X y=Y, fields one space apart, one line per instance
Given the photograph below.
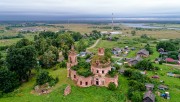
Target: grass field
x=91 y=94
x=94 y=94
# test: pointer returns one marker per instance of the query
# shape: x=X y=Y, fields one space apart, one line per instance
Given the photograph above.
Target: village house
x=161 y=50
x=170 y=60
x=100 y=71
x=82 y=54
x=149 y=97
x=134 y=61
x=149 y=86
x=116 y=51
x=143 y=53
x=155 y=77
x=162 y=87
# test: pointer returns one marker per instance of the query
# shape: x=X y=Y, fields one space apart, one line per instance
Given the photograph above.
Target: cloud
x=90 y=7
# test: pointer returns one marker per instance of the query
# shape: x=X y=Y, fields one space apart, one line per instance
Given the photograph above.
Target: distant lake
x=147 y=26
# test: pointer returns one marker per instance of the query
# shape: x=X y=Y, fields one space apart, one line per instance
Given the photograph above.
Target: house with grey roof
x=116 y=51
x=162 y=87
x=149 y=97
x=149 y=86
x=143 y=53
x=134 y=61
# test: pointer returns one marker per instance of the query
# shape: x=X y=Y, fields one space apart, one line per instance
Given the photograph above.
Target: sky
x=90 y=8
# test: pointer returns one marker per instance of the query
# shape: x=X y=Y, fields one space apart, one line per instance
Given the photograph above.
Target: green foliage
x=22 y=43
x=95 y=35
x=12 y=37
x=112 y=86
x=176 y=72
x=76 y=36
x=144 y=36
x=107 y=54
x=112 y=73
x=44 y=77
x=62 y=64
x=166 y=45
x=82 y=68
x=173 y=54
x=47 y=34
x=144 y=65
x=1 y=60
x=136 y=96
x=82 y=45
x=48 y=59
x=41 y=45
x=117 y=66
x=133 y=33
x=148 y=48
x=136 y=84
x=22 y=58
x=8 y=80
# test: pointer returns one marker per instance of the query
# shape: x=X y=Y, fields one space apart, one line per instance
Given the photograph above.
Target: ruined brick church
x=100 y=71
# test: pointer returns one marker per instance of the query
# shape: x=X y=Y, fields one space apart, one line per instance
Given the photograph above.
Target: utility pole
x=68 y=23
x=112 y=22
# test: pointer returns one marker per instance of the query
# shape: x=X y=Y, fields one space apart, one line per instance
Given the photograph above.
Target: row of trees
x=25 y=55
x=145 y=65
x=136 y=85
x=168 y=45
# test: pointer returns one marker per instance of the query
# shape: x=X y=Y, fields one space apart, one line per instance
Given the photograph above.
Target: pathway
x=94 y=45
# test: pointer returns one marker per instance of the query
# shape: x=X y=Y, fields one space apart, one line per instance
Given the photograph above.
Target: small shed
x=149 y=86
x=149 y=97
x=162 y=87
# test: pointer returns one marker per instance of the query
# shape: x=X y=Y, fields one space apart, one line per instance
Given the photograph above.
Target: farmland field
x=95 y=94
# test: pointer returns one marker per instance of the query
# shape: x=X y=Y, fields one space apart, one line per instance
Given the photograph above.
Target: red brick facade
x=99 y=71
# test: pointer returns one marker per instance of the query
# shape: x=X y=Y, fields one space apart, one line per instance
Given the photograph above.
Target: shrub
x=112 y=86
x=136 y=96
x=44 y=77
x=160 y=62
x=8 y=80
x=62 y=64
x=112 y=73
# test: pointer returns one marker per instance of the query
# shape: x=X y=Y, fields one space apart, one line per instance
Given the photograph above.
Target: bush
x=8 y=80
x=160 y=62
x=112 y=86
x=62 y=64
x=112 y=73
x=136 y=96
x=144 y=65
x=44 y=77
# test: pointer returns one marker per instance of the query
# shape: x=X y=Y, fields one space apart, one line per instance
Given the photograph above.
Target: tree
x=144 y=36
x=144 y=65
x=8 y=80
x=55 y=51
x=112 y=86
x=76 y=36
x=22 y=43
x=21 y=60
x=166 y=45
x=136 y=96
x=133 y=33
x=173 y=54
x=1 y=60
x=47 y=34
x=41 y=45
x=48 y=59
x=148 y=48
x=44 y=77
x=81 y=45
